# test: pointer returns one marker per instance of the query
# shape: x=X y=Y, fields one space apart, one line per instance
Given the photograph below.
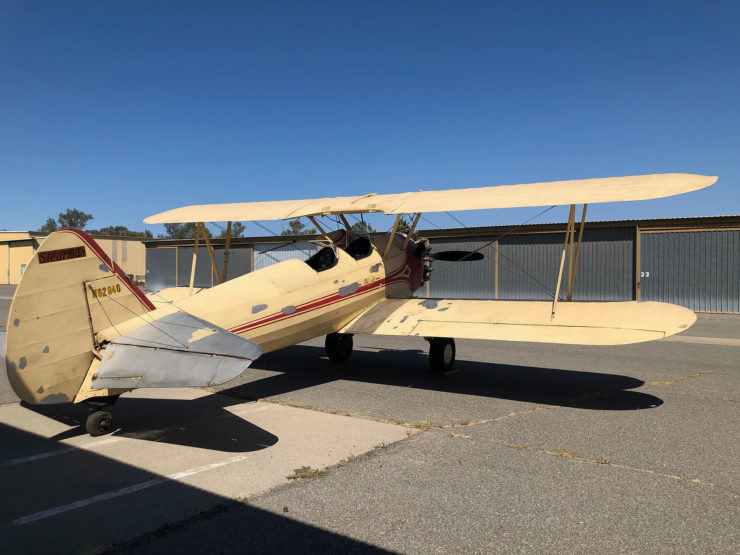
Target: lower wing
x=577 y=323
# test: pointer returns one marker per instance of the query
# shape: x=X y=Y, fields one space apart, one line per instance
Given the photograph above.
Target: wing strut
x=322 y=231
x=210 y=253
x=411 y=230
x=574 y=266
x=390 y=237
x=570 y=232
x=200 y=227
x=345 y=222
x=195 y=256
x=226 y=251
x=568 y=239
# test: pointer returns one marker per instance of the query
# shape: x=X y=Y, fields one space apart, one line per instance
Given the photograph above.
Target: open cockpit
x=326 y=258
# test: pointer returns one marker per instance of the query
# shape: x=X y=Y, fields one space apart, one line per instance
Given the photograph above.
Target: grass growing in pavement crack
x=307 y=473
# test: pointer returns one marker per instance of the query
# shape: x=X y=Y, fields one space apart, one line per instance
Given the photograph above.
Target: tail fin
x=69 y=290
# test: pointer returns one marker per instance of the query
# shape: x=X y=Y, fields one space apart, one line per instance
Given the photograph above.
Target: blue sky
x=124 y=109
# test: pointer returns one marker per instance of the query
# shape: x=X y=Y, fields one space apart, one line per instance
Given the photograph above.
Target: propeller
x=457 y=256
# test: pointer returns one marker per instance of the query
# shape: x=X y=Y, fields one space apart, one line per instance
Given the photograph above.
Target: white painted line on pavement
x=123 y=491
x=48 y=454
x=251 y=408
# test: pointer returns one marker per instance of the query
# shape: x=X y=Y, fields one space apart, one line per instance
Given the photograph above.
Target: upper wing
x=599 y=323
x=577 y=191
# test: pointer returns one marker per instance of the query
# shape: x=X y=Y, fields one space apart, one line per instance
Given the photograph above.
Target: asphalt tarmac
x=528 y=448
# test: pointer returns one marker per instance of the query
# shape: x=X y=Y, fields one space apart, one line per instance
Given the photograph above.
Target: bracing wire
x=148 y=322
x=498 y=238
x=454 y=218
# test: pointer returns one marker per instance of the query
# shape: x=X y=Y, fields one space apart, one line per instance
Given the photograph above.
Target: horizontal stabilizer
x=177 y=350
x=576 y=323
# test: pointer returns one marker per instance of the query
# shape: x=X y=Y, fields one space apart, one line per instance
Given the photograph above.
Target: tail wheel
x=338 y=346
x=441 y=354
x=99 y=423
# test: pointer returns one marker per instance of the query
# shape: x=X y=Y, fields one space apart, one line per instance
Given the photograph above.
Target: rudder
x=69 y=290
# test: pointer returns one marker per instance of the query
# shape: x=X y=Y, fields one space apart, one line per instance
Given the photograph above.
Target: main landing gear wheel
x=99 y=423
x=441 y=354
x=338 y=346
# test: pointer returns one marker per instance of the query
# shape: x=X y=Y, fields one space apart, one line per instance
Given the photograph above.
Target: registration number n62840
x=98 y=292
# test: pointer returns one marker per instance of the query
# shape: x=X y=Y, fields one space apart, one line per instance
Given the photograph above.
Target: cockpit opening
x=323 y=260
x=359 y=248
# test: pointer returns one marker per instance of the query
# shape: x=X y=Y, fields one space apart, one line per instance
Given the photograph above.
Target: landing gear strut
x=441 y=354
x=338 y=346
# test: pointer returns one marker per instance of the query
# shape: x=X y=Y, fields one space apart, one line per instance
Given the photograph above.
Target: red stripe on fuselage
x=322 y=302
x=308 y=307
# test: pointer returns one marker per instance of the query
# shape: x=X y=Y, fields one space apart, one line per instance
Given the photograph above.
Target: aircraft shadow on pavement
x=157 y=514
x=304 y=366
x=203 y=422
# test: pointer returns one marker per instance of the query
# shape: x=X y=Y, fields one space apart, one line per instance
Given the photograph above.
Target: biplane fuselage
x=272 y=308
x=291 y=301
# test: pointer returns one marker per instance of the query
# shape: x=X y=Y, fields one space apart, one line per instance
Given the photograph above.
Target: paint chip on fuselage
x=17 y=322
x=258 y=308
x=22 y=363
x=348 y=289
x=288 y=309
x=104 y=268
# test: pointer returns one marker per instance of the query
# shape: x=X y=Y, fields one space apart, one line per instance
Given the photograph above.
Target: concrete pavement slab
x=664 y=413
x=265 y=444
x=436 y=494
x=681 y=437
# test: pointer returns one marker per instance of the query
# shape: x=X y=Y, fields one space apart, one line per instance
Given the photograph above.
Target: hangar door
x=529 y=263
x=695 y=269
x=170 y=266
x=239 y=264
x=160 y=268
x=469 y=279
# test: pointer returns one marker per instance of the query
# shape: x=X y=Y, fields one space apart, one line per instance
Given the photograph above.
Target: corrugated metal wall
x=462 y=280
x=606 y=267
x=266 y=254
x=202 y=266
x=696 y=269
x=162 y=265
x=239 y=263
x=528 y=266
x=160 y=268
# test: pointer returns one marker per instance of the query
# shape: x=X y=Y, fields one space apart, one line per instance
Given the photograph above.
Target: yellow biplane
x=80 y=331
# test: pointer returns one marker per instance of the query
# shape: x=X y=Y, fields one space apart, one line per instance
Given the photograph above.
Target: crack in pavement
x=576 y=458
x=681 y=379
